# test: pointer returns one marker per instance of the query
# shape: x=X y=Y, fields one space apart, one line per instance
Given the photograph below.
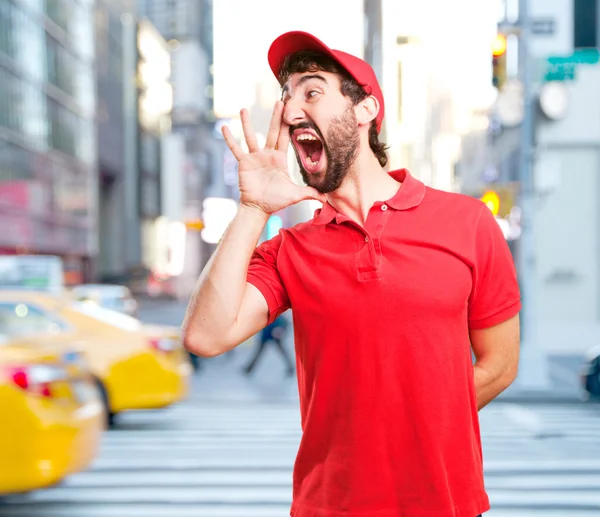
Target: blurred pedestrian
x=272 y=334
x=392 y=285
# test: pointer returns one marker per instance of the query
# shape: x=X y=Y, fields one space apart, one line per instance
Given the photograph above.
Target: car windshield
x=22 y=319
x=109 y=297
x=108 y=316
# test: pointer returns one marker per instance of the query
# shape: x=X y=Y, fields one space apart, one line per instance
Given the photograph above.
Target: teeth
x=306 y=136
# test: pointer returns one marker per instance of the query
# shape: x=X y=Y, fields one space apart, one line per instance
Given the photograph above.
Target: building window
x=30 y=41
x=585 y=23
x=59 y=12
x=11 y=101
x=7 y=43
x=65 y=128
x=15 y=162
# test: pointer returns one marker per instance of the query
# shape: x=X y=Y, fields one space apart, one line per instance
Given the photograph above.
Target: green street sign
x=563 y=68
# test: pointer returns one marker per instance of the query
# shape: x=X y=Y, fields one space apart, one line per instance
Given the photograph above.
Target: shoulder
x=298 y=230
x=452 y=207
x=453 y=200
x=283 y=238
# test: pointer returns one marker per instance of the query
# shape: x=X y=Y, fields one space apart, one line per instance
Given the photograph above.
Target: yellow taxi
x=51 y=415
x=135 y=366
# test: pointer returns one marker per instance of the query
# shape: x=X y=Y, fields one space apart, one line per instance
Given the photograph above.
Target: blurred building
x=48 y=180
x=490 y=151
x=118 y=221
x=160 y=166
x=564 y=62
x=433 y=72
x=187 y=27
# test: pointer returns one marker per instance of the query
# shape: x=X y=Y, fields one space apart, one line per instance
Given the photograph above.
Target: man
x=392 y=284
x=273 y=333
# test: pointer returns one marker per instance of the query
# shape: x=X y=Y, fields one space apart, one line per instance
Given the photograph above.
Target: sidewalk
x=225 y=371
x=516 y=393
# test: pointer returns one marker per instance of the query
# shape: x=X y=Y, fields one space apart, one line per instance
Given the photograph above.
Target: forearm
x=217 y=297
x=490 y=381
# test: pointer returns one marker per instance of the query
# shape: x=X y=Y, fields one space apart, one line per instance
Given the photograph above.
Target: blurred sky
x=454 y=39
x=244 y=30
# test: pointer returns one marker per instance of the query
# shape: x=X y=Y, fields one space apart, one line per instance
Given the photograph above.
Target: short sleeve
x=495 y=295
x=263 y=274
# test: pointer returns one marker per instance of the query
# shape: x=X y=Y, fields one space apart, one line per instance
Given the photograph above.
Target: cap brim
x=292 y=42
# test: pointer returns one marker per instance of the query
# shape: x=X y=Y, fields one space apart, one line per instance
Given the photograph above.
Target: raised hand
x=265 y=183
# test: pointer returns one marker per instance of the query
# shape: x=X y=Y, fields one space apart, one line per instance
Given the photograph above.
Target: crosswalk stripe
x=149 y=510
x=283 y=477
x=219 y=461
x=176 y=495
x=235 y=460
x=233 y=478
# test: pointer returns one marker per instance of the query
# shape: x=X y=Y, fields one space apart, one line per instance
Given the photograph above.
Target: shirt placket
x=369 y=256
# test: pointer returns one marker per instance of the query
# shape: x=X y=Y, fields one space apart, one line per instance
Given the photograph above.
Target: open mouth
x=310 y=150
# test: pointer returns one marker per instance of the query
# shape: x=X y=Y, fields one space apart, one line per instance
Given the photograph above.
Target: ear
x=367 y=110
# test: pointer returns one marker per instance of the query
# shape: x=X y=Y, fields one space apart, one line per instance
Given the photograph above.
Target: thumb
x=313 y=193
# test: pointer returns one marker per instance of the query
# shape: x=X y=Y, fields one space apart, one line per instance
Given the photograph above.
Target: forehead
x=300 y=79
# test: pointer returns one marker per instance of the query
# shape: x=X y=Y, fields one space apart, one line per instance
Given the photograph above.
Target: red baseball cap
x=361 y=71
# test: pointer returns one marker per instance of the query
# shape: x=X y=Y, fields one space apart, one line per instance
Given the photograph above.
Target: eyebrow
x=302 y=80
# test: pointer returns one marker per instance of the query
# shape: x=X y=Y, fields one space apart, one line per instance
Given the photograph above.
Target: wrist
x=254 y=213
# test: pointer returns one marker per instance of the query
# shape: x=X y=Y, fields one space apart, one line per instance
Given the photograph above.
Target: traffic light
x=499 y=61
x=500 y=199
x=492 y=200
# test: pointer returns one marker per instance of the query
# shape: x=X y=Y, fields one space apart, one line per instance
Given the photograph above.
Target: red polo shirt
x=381 y=322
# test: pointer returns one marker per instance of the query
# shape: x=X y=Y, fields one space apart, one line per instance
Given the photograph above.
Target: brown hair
x=309 y=61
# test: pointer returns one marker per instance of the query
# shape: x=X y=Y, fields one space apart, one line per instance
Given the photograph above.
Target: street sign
x=543 y=26
x=563 y=68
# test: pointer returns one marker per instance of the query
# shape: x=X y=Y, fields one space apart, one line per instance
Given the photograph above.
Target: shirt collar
x=409 y=195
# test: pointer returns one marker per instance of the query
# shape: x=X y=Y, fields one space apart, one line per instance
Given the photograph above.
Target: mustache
x=307 y=125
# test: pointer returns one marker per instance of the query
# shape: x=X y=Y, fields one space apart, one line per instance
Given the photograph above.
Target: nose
x=293 y=113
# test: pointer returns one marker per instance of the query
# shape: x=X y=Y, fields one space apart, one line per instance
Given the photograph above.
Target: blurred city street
x=228 y=451
x=137 y=141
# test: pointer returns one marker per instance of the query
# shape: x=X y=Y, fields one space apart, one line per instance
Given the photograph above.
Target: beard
x=340 y=148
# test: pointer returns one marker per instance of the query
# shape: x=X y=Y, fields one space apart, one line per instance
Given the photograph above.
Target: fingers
x=283 y=140
x=274 y=127
x=248 y=131
x=237 y=151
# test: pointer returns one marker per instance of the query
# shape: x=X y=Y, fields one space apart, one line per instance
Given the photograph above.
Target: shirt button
x=367 y=238
x=384 y=207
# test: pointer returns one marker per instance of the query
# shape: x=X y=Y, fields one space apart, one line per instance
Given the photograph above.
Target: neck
x=364 y=185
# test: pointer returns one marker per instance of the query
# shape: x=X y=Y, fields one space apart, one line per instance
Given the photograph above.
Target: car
x=111 y=296
x=590 y=374
x=135 y=366
x=51 y=418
